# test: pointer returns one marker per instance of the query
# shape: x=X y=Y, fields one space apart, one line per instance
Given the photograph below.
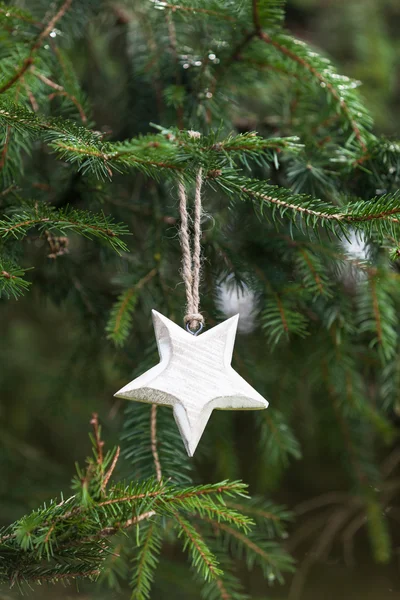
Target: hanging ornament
x=194 y=374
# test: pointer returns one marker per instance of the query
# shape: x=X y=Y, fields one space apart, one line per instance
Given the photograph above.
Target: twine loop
x=193 y=317
x=191 y=261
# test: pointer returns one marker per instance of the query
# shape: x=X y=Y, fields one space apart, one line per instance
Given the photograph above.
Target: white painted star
x=194 y=376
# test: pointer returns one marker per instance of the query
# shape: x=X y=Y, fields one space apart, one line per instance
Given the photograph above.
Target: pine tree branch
x=120 y=319
x=234 y=487
x=322 y=79
x=46 y=217
x=16 y=13
x=31 y=57
x=295 y=207
x=201 y=555
x=257 y=550
x=73 y=100
x=109 y=531
x=146 y=562
x=60 y=91
x=12 y=282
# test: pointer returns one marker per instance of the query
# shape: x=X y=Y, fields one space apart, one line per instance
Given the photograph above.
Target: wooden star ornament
x=194 y=376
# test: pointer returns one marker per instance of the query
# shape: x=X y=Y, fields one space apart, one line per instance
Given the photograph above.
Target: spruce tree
x=98 y=105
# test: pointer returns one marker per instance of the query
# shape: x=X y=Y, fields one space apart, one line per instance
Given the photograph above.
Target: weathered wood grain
x=194 y=376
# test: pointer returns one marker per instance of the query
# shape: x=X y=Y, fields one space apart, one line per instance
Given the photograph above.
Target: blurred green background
x=58 y=368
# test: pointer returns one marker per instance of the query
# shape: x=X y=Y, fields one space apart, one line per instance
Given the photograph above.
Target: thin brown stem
x=5 y=147
x=78 y=105
x=195 y=543
x=301 y=209
x=32 y=99
x=256 y=16
x=31 y=56
x=153 y=435
x=113 y=155
x=65 y=576
x=111 y=469
x=339 y=217
x=47 y=81
x=32 y=222
x=184 y=496
x=109 y=531
x=99 y=442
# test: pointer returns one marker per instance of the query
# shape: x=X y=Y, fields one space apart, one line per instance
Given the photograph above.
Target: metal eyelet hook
x=198 y=330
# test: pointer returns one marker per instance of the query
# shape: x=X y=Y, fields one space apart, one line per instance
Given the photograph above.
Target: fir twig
x=31 y=57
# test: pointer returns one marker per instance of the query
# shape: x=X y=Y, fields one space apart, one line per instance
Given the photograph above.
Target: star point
x=194 y=377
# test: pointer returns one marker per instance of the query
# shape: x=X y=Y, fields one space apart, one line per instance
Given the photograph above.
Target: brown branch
x=31 y=57
x=193 y=494
x=109 y=531
x=113 y=155
x=33 y=222
x=60 y=91
x=224 y=594
x=63 y=9
x=47 y=81
x=5 y=148
x=282 y=313
x=73 y=100
x=92 y=573
x=256 y=17
x=302 y=209
x=383 y=215
x=312 y=269
x=153 y=435
x=111 y=469
x=48 y=534
x=196 y=545
x=8 y=189
x=32 y=99
x=112 y=530
x=99 y=442
x=339 y=217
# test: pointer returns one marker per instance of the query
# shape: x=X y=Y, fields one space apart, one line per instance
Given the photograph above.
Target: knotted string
x=191 y=264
